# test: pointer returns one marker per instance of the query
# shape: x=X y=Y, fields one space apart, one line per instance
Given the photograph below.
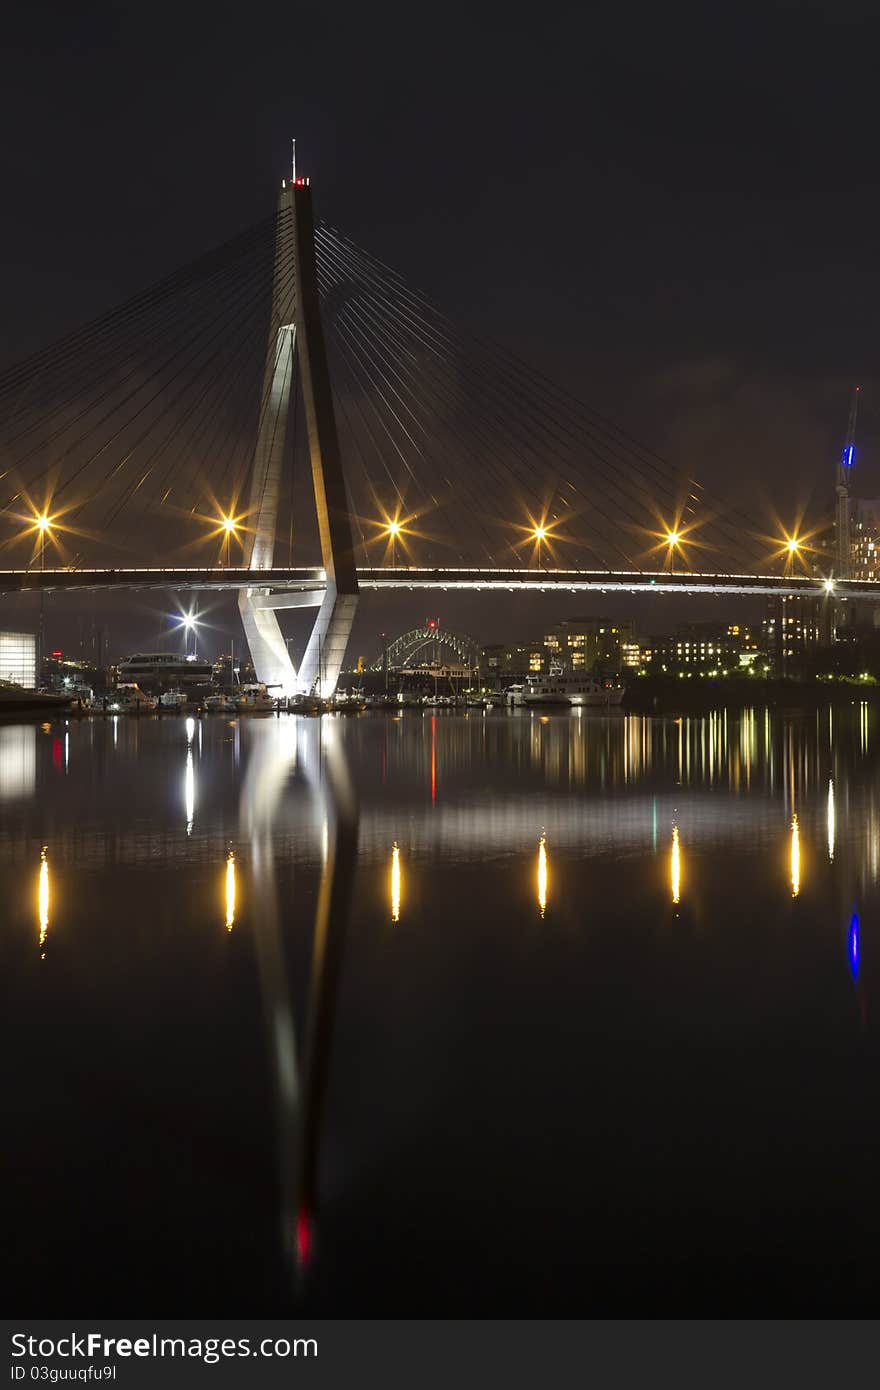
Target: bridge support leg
x=325 y=651
x=267 y=646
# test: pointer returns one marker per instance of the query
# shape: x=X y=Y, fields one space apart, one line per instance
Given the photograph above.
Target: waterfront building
x=18 y=658
x=791 y=630
x=702 y=648
x=865 y=539
x=584 y=644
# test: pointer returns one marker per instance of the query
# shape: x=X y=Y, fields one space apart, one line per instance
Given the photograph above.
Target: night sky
x=672 y=209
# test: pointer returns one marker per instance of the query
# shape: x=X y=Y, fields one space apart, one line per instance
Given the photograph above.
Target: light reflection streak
x=675 y=866
x=43 y=900
x=853 y=945
x=542 y=874
x=795 y=857
x=189 y=777
x=831 y=820
x=230 y=890
x=395 y=882
x=433 y=759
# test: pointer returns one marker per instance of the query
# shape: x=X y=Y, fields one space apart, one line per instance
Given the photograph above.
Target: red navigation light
x=303 y=1235
x=432 y=622
x=57 y=655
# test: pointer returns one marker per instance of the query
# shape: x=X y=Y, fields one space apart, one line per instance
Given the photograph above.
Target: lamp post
x=43 y=526
x=393 y=529
x=672 y=540
x=189 y=626
x=540 y=534
x=230 y=526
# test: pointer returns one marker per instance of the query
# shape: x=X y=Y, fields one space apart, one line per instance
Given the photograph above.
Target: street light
x=43 y=524
x=539 y=534
x=189 y=622
x=230 y=526
x=791 y=549
x=673 y=538
x=393 y=529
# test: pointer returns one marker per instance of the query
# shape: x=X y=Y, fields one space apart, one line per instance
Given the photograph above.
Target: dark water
x=513 y=1076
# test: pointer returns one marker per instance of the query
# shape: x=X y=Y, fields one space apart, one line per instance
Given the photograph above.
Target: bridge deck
x=479 y=580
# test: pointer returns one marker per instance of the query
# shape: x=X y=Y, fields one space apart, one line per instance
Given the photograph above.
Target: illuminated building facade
x=18 y=658
x=584 y=643
x=791 y=630
x=864 y=533
x=701 y=648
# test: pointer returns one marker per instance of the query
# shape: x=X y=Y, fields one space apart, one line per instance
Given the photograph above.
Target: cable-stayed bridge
x=287 y=418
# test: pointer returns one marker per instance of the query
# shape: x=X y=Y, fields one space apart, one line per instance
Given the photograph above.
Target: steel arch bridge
x=404 y=649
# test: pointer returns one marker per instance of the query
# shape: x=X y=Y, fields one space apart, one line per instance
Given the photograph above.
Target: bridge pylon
x=296 y=342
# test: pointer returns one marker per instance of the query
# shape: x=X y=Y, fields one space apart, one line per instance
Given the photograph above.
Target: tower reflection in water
x=314 y=748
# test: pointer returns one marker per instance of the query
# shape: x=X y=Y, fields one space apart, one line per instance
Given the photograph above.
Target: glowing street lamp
x=673 y=538
x=539 y=534
x=188 y=622
x=43 y=525
x=393 y=530
x=230 y=527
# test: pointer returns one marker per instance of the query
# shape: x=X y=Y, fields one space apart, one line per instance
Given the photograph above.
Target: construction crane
x=844 y=472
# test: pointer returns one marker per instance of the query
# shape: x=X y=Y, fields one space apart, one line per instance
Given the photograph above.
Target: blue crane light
x=848 y=455
x=852 y=944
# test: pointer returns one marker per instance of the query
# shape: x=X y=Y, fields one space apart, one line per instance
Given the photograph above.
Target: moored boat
x=15 y=699
x=128 y=698
x=567 y=690
x=255 y=699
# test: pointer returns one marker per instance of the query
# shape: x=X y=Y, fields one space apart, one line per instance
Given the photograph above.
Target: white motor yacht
x=567 y=689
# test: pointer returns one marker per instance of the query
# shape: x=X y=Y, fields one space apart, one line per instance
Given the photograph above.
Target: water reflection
x=230 y=890
x=542 y=875
x=395 y=882
x=604 y=791
x=18 y=762
x=43 y=900
x=189 y=778
x=853 y=945
x=675 y=866
x=278 y=748
x=795 y=857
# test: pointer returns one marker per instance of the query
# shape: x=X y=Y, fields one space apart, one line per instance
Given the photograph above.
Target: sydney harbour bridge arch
x=410 y=649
